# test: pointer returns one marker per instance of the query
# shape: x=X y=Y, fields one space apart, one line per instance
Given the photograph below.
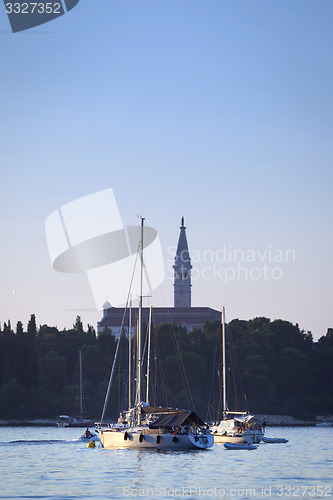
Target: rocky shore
x=288 y=421
x=284 y=421
x=21 y=422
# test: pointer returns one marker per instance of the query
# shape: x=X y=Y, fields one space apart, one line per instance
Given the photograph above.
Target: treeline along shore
x=273 y=368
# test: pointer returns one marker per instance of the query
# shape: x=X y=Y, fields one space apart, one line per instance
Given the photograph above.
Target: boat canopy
x=244 y=418
x=177 y=419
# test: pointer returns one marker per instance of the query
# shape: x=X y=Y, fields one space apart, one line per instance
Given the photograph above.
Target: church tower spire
x=182 y=271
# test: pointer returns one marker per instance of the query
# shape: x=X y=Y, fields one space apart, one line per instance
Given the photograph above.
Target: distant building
x=182 y=314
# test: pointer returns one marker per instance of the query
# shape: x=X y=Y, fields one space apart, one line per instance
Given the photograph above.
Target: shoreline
x=22 y=422
x=271 y=421
x=38 y=422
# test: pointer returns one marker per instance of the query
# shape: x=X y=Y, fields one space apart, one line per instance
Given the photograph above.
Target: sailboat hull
x=137 y=440
x=248 y=437
x=223 y=438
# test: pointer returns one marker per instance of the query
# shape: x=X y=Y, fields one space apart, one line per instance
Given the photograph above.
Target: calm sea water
x=39 y=462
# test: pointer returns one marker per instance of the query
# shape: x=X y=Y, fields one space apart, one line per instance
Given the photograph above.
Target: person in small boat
x=87 y=433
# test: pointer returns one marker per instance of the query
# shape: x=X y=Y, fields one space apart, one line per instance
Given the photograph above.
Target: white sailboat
x=145 y=427
x=235 y=427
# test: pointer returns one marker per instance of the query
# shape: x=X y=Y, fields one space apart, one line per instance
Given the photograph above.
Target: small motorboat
x=274 y=440
x=240 y=446
x=89 y=437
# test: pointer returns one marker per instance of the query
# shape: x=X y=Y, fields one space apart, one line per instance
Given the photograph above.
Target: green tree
x=32 y=328
x=78 y=326
x=322 y=391
x=13 y=402
x=52 y=374
x=19 y=328
x=294 y=380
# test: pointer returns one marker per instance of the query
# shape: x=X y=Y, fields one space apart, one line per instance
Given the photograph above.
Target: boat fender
x=91 y=444
x=158 y=439
x=174 y=439
x=126 y=436
x=141 y=438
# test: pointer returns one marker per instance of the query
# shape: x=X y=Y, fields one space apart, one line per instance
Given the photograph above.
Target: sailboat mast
x=140 y=323
x=223 y=365
x=81 y=391
x=130 y=355
x=148 y=358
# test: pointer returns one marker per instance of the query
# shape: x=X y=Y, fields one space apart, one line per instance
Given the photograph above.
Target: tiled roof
x=177 y=316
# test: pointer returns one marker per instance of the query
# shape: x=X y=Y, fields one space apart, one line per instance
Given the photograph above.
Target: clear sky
x=218 y=110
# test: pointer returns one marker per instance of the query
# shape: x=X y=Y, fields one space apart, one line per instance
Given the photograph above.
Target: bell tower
x=182 y=271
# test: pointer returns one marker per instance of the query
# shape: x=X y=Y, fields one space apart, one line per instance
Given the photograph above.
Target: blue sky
x=218 y=110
